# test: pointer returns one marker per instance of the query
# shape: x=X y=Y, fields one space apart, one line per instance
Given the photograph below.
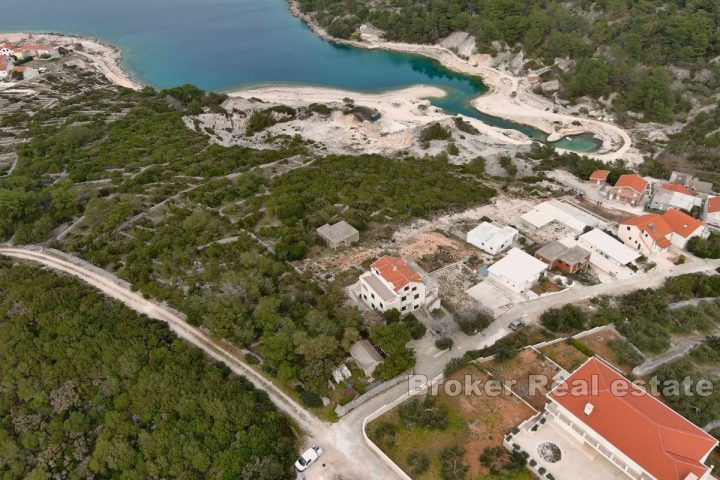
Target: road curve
x=346 y=456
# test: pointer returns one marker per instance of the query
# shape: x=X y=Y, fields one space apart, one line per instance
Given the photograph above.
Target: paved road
x=346 y=452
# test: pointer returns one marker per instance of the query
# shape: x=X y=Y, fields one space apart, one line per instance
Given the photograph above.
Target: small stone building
x=342 y=233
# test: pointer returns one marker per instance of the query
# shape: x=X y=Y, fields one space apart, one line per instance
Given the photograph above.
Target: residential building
x=691 y=182
x=602 y=244
x=366 y=356
x=654 y=234
x=341 y=233
x=598 y=425
x=674 y=195
x=560 y=212
x=6 y=67
x=712 y=211
x=6 y=49
x=599 y=177
x=567 y=259
x=517 y=271
x=629 y=189
x=490 y=238
x=31 y=50
x=394 y=283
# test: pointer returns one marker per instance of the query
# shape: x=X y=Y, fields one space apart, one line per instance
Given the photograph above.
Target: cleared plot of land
x=565 y=355
x=474 y=423
x=601 y=343
x=517 y=372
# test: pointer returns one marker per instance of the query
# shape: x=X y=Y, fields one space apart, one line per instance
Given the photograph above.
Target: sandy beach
x=509 y=97
x=107 y=59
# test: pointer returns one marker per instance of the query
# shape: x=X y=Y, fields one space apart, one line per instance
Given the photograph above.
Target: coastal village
x=478 y=279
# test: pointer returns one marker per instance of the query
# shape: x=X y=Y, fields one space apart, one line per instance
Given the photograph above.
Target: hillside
x=652 y=61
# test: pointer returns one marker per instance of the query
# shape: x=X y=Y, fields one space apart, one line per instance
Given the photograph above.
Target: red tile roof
x=681 y=223
x=396 y=272
x=676 y=187
x=713 y=204
x=599 y=175
x=660 y=226
x=647 y=431
x=636 y=182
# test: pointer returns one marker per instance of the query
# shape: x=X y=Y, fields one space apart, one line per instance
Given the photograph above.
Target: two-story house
x=629 y=189
x=654 y=234
x=394 y=283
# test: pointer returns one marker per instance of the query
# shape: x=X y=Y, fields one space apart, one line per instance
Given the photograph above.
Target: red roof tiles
x=636 y=182
x=676 y=187
x=713 y=205
x=600 y=175
x=396 y=272
x=660 y=226
x=647 y=431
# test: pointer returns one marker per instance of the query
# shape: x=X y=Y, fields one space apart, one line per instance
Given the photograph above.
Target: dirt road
x=346 y=456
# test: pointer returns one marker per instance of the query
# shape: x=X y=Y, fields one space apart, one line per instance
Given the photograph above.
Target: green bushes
x=444 y=343
x=259 y=120
x=423 y=413
x=434 y=131
x=705 y=247
x=452 y=465
x=471 y=326
x=419 y=462
x=581 y=347
x=567 y=318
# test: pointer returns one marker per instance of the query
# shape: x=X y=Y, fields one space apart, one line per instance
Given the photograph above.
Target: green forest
x=623 y=46
x=92 y=390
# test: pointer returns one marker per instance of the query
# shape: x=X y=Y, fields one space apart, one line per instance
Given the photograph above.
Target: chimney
x=589 y=407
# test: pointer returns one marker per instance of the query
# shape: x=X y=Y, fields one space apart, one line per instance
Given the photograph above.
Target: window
x=381 y=306
x=417 y=295
x=406 y=288
x=416 y=307
x=372 y=295
x=403 y=298
x=628 y=228
x=414 y=288
x=403 y=308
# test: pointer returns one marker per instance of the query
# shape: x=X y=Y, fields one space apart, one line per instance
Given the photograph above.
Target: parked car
x=308 y=458
x=516 y=324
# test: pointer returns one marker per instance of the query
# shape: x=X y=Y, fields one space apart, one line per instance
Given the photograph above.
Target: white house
x=394 y=283
x=517 y=271
x=560 y=212
x=490 y=238
x=602 y=244
x=6 y=49
x=654 y=234
x=598 y=425
x=712 y=211
x=673 y=195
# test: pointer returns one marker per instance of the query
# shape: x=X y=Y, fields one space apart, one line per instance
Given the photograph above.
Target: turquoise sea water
x=226 y=44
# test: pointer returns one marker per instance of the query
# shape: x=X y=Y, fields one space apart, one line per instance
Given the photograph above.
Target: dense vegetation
x=623 y=46
x=204 y=228
x=92 y=390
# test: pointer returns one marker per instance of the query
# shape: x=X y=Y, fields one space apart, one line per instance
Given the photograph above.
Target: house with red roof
x=712 y=211
x=32 y=50
x=395 y=283
x=598 y=425
x=599 y=178
x=653 y=234
x=674 y=195
x=629 y=189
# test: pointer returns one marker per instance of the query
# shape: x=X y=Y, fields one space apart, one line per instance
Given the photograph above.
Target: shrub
x=423 y=413
x=419 y=462
x=310 y=399
x=258 y=121
x=452 y=466
x=582 y=348
x=471 y=326
x=464 y=126
x=564 y=319
x=417 y=329
x=444 y=343
x=434 y=131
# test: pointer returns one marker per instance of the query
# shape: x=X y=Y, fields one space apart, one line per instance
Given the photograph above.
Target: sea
x=224 y=45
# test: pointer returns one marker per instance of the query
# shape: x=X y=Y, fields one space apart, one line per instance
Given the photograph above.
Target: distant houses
x=674 y=195
x=693 y=183
x=517 y=271
x=395 y=283
x=712 y=211
x=490 y=238
x=629 y=189
x=654 y=234
x=599 y=178
x=339 y=234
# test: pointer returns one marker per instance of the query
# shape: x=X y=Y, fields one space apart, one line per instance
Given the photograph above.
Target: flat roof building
x=603 y=244
x=561 y=212
x=490 y=238
x=342 y=233
x=518 y=270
